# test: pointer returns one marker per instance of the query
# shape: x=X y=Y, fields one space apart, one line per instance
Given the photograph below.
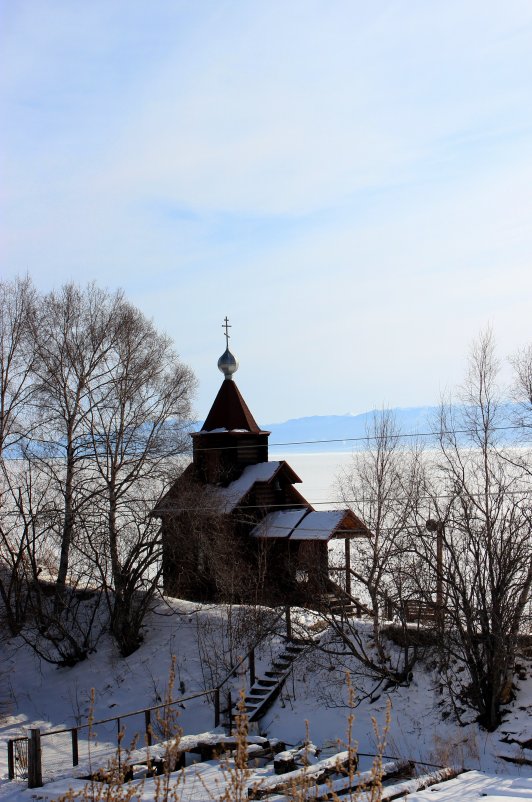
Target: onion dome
x=227 y=364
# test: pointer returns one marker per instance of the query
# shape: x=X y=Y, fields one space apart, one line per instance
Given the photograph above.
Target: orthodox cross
x=226 y=325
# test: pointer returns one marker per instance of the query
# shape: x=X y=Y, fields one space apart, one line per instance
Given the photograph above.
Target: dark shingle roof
x=229 y=411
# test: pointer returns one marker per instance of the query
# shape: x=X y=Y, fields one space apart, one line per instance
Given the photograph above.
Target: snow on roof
x=278 y=524
x=318 y=525
x=299 y=524
x=230 y=496
x=223 y=430
x=212 y=431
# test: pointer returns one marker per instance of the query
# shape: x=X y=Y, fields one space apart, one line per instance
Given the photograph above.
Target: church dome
x=227 y=364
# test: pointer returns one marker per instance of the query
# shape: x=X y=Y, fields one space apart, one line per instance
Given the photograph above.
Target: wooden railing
x=411 y=611
x=28 y=749
x=250 y=659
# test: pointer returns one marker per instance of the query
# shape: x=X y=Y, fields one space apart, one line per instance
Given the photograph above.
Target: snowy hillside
x=205 y=641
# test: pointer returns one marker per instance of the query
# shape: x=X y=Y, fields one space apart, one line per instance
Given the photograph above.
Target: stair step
x=255 y=701
x=250 y=701
x=266 y=688
x=255 y=697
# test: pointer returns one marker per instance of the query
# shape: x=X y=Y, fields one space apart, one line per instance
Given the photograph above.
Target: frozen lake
x=318 y=473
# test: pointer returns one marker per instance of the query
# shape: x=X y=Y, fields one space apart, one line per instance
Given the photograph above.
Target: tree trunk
x=68 y=526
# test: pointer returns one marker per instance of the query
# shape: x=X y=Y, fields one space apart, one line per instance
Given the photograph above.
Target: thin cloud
x=351 y=177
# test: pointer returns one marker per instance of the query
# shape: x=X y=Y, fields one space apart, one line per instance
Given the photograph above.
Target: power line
x=361 y=438
x=364 y=500
x=171 y=508
x=364 y=438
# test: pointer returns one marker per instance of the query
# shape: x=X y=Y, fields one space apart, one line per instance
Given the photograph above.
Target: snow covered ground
x=38 y=694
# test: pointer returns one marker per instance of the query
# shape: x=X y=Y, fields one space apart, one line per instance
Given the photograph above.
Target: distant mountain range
x=347 y=432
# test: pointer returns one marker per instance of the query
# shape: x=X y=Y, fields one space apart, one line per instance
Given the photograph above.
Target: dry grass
x=111 y=785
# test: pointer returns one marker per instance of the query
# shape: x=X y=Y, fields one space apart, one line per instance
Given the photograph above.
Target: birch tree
x=72 y=336
x=137 y=424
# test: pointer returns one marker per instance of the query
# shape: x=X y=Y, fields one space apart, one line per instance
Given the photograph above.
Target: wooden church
x=234 y=525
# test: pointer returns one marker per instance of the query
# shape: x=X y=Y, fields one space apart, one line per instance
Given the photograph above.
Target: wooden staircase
x=337 y=602
x=265 y=689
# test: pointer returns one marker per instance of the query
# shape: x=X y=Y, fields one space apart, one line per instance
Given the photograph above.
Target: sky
x=349 y=182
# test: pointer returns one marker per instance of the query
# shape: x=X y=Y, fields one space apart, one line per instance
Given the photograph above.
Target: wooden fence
x=25 y=752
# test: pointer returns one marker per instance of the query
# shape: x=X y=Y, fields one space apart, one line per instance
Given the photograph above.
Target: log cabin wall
x=222 y=456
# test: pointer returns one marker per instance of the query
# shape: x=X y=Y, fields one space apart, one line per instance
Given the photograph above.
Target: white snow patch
x=318 y=525
x=299 y=525
x=231 y=495
x=42 y=695
x=278 y=524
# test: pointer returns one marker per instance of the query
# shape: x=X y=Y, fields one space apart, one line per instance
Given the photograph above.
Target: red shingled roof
x=230 y=411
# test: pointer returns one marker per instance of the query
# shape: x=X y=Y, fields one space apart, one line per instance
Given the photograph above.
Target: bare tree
x=96 y=401
x=481 y=499
x=71 y=332
x=381 y=486
x=17 y=306
x=30 y=519
x=136 y=423
x=59 y=341
x=522 y=364
x=16 y=561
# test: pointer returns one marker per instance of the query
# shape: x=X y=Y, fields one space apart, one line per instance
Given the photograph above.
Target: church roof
x=310 y=525
x=226 y=499
x=323 y=525
x=278 y=524
x=230 y=412
x=229 y=497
